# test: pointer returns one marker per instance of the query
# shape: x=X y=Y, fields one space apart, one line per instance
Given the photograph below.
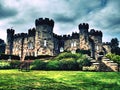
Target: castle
x=42 y=41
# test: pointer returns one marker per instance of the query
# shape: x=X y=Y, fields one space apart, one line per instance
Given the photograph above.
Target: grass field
x=58 y=80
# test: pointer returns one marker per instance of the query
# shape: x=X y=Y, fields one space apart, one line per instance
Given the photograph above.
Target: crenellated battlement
x=83 y=26
x=106 y=43
x=20 y=35
x=75 y=35
x=45 y=21
x=95 y=33
x=31 y=32
x=10 y=31
x=57 y=36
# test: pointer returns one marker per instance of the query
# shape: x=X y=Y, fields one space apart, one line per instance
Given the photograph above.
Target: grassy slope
x=59 y=80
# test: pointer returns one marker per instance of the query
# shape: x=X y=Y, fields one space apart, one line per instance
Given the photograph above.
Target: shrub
x=38 y=65
x=66 y=55
x=52 y=65
x=83 y=61
x=83 y=51
x=68 y=64
x=14 y=64
x=115 y=58
x=4 y=65
x=64 y=61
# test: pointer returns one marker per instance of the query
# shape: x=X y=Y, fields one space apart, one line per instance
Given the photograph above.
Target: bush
x=64 y=61
x=52 y=65
x=68 y=64
x=4 y=65
x=83 y=51
x=115 y=58
x=14 y=64
x=83 y=61
x=66 y=55
x=38 y=65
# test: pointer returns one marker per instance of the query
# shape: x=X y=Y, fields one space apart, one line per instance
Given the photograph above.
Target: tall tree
x=115 y=46
x=114 y=42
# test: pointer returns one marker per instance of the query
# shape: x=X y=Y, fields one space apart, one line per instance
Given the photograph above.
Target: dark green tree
x=115 y=46
x=114 y=42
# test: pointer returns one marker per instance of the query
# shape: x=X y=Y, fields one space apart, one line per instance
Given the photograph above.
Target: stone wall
x=71 y=44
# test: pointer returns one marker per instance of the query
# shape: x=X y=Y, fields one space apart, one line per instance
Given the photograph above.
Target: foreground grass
x=58 y=80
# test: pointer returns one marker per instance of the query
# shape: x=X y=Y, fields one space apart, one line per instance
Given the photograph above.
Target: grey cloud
x=64 y=19
x=7 y=12
x=67 y=14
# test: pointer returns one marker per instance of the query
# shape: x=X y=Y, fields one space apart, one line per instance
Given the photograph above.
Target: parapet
x=65 y=37
x=95 y=33
x=75 y=35
x=10 y=31
x=106 y=43
x=83 y=26
x=19 y=35
x=31 y=32
x=45 y=21
x=57 y=36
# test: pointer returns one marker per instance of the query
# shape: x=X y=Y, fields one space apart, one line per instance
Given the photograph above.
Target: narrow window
x=97 y=47
x=72 y=44
x=30 y=45
x=45 y=43
x=75 y=44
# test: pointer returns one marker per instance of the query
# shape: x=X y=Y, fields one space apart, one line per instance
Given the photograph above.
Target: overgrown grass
x=58 y=80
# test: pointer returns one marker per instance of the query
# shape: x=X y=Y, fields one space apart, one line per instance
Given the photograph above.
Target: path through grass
x=58 y=80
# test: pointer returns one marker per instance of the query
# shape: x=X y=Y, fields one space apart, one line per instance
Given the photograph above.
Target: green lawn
x=58 y=80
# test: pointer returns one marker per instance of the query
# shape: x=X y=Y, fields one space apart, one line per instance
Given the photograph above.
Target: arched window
x=61 y=49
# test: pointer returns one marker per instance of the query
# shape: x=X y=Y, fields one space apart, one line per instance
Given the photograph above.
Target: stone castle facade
x=42 y=41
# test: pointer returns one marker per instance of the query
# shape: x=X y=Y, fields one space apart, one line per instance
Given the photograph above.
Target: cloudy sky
x=101 y=15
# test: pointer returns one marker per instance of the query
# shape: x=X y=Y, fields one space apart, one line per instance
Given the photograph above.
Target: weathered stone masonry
x=42 y=41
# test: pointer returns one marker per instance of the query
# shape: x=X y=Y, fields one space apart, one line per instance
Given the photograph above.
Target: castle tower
x=10 y=38
x=83 y=36
x=44 y=36
x=96 y=36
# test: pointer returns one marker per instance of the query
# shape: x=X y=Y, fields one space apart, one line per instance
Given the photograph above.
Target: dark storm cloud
x=67 y=14
x=64 y=19
x=6 y=11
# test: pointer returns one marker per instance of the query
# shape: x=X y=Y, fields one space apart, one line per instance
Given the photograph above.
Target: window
x=74 y=44
x=30 y=45
x=61 y=49
x=45 y=43
x=97 y=47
